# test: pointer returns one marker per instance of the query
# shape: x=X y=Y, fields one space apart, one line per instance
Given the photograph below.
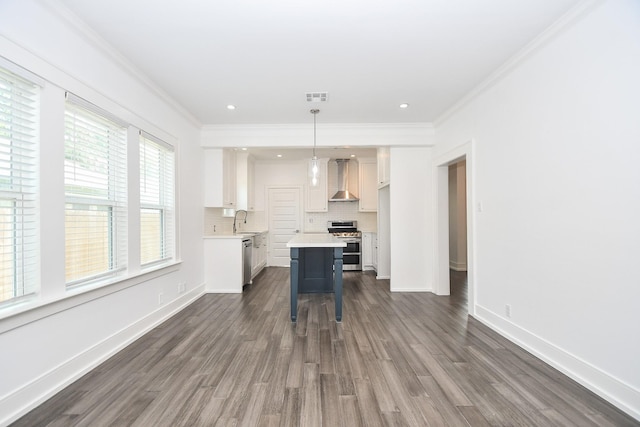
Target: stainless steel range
x=352 y=253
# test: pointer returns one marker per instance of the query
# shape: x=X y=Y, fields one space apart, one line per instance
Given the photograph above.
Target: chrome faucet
x=235 y=217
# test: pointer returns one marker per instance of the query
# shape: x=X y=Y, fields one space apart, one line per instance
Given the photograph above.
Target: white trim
x=441 y=251
x=95 y=40
x=573 y=16
x=31 y=311
x=36 y=392
x=329 y=135
x=89 y=106
x=21 y=72
x=614 y=390
x=225 y=291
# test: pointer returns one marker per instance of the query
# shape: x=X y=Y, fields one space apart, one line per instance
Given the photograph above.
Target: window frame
x=166 y=202
x=114 y=198
x=19 y=135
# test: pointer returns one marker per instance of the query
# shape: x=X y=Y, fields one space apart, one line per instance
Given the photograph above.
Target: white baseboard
x=28 y=397
x=224 y=291
x=613 y=390
x=383 y=277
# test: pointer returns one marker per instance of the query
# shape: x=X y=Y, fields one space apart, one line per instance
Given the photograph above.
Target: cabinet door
x=251 y=200
x=229 y=179
x=383 y=166
x=219 y=178
x=367 y=253
x=317 y=196
x=244 y=181
x=368 y=185
x=374 y=251
x=213 y=177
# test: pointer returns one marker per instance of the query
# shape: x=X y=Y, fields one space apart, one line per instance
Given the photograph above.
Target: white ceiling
x=370 y=56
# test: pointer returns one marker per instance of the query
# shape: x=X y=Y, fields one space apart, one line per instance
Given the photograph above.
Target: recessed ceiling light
x=231 y=107
x=244 y=148
x=353 y=155
x=405 y=105
x=278 y=155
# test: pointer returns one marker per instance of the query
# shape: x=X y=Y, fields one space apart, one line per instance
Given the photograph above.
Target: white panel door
x=284 y=212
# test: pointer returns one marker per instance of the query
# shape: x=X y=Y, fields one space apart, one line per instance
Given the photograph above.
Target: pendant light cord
x=314 y=112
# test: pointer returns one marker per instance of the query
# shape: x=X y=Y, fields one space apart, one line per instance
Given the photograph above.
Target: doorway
x=458 y=216
x=284 y=216
x=458 y=233
x=463 y=257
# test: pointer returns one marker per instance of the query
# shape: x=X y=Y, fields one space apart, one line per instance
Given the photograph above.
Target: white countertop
x=239 y=235
x=316 y=240
x=228 y=236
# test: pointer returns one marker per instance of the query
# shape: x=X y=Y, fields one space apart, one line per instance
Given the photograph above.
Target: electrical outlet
x=507 y=311
x=182 y=286
x=160 y=298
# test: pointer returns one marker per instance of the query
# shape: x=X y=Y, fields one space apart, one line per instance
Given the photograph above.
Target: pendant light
x=315 y=168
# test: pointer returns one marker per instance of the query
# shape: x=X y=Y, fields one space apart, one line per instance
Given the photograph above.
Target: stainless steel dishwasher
x=246 y=261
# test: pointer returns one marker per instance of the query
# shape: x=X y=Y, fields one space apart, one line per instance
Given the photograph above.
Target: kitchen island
x=316 y=267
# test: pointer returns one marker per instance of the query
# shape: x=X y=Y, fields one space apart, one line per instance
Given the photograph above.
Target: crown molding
x=73 y=22
x=332 y=134
x=565 y=22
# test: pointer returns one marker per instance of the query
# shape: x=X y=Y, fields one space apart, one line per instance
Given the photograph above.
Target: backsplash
x=314 y=222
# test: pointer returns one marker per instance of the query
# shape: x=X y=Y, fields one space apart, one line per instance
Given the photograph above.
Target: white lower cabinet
x=369 y=251
x=223 y=265
x=259 y=253
x=374 y=251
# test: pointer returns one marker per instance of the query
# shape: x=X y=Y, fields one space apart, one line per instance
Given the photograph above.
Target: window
x=157 y=202
x=18 y=186
x=95 y=174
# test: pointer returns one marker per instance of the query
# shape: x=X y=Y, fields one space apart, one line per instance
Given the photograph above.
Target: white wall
x=556 y=170
x=63 y=335
x=411 y=219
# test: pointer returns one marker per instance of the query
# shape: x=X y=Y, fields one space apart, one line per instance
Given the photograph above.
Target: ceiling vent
x=317 y=96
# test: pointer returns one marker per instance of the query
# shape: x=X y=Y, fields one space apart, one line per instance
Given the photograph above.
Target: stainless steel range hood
x=343 y=194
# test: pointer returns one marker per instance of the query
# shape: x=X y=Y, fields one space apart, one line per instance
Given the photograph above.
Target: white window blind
x=95 y=178
x=19 y=119
x=157 y=200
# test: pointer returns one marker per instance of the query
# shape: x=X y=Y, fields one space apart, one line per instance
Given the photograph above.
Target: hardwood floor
x=395 y=360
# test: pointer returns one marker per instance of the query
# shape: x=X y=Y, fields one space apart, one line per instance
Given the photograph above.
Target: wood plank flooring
x=395 y=360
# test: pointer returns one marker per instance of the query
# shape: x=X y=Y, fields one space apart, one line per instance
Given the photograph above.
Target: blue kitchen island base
x=316 y=270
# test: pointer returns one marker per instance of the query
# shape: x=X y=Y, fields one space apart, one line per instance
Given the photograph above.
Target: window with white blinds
x=157 y=200
x=95 y=179
x=19 y=119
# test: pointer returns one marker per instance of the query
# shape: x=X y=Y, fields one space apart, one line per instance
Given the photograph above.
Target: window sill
x=32 y=310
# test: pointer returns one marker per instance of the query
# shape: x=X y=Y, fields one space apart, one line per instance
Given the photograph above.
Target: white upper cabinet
x=219 y=178
x=368 y=185
x=383 y=166
x=317 y=196
x=244 y=181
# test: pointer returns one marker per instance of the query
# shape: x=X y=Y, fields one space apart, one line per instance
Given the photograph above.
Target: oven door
x=351 y=255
